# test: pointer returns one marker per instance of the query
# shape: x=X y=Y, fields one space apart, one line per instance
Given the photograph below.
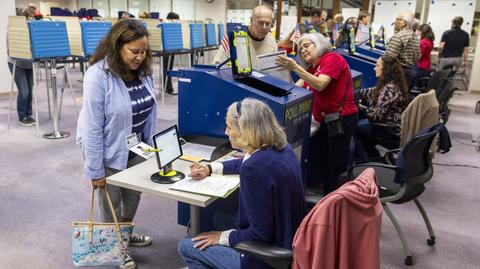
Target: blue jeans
x=217 y=256
x=24 y=80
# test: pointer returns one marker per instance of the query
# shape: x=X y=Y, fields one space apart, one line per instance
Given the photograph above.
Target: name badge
x=136 y=146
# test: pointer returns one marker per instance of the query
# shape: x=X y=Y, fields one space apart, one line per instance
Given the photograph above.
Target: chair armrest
x=388 y=127
x=384 y=125
x=373 y=165
x=275 y=256
x=389 y=156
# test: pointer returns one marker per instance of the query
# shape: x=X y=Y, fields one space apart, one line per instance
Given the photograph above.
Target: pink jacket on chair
x=343 y=229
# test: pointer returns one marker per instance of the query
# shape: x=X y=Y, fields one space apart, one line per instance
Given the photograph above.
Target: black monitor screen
x=169 y=146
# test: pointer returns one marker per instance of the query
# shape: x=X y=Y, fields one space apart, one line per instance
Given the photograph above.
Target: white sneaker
x=129 y=263
x=139 y=240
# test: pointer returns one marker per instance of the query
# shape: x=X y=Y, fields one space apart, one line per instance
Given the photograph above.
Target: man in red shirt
x=328 y=76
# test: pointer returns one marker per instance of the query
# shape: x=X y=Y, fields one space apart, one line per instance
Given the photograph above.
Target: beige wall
x=474 y=85
x=216 y=10
x=70 y=4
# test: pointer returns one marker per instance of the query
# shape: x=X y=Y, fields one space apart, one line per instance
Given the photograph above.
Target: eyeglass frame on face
x=303 y=47
x=262 y=24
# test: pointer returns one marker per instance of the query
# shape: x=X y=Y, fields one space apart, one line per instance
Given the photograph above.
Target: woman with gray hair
x=272 y=201
x=328 y=76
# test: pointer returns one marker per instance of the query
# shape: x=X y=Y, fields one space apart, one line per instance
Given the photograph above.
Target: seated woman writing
x=271 y=203
x=383 y=103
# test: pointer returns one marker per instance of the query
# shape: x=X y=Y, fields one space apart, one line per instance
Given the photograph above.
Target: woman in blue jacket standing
x=119 y=102
x=272 y=201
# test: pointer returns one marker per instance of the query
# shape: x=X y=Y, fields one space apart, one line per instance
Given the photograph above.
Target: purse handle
x=346 y=90
x=90 y=219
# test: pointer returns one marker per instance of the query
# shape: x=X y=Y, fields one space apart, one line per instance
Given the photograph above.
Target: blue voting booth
x=49 y=39
x=196 y=36
x=92 y=33
x=210 y=34
x=49 y=42
x=172 y=36
x=205 y=92
x=221 y=32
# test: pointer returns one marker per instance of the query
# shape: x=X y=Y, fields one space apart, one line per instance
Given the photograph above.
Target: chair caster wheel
x=431 y=241
x=408 y=260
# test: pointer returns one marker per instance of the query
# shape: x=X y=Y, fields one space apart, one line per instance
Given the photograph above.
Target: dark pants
x=421 y=73
x=410 y=75
x=367 y=138
x=166 y=67
x=24 y=80
x=329 y=157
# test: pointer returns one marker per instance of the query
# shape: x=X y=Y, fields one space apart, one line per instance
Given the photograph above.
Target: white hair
x=322 y=45
x=257 y=124
x=408 y=18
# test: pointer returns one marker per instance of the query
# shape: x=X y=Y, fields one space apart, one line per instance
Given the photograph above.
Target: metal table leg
x=194 y=220
x=11 y=93
x=48 y=79
x=35 y=97
x=56 y=134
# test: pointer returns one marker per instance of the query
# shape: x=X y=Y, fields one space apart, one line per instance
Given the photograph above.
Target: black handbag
x=334 y=121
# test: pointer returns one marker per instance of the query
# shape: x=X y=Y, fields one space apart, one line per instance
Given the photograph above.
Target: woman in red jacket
x=426 y=45
x=326 y=74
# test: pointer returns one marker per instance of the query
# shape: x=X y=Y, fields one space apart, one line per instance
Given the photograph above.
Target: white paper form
x=266 y=64
x=216 y=185
x=198 y=150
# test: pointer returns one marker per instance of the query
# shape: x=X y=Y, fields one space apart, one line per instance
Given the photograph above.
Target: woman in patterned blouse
x=383 y=103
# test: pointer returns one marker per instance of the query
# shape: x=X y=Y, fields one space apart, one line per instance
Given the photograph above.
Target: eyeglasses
x=264 y=24
x=305 y=46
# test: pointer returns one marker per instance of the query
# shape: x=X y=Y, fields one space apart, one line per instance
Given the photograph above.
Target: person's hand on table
x=204 y=240
x=99 y=182
x=199 y=171
x=286 y=62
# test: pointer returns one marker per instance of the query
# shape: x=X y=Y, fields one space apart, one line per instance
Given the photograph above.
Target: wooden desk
x=138 y=178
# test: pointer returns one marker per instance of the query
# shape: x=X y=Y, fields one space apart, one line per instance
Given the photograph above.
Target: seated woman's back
x=272 y=200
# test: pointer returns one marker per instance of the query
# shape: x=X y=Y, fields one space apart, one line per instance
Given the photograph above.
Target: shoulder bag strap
x=346 y=90
x=90 y=219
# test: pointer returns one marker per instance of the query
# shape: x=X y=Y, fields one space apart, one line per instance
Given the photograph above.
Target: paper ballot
x=216 y=185
x=266 y=64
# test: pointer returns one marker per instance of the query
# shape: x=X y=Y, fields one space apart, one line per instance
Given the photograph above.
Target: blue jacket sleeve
x=92 y=120
x=232 y=166
x=257 y=198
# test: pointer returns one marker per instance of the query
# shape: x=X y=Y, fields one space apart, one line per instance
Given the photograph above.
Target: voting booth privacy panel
x=172 y=36
x=387 y=11
x=18 y=38
x=92 y=34
x=74 y=34
x=441 y=13
x=49 y=39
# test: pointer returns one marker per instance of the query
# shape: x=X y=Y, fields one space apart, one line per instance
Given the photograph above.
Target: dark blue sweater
x=272 y=200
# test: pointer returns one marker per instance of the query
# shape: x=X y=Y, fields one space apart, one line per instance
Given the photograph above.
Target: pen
x=149 y=149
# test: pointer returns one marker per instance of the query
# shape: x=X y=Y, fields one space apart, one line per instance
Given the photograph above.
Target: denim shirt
x=105 y=120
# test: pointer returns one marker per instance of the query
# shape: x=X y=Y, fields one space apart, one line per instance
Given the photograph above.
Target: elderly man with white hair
x=259 y=37
x=405 y=45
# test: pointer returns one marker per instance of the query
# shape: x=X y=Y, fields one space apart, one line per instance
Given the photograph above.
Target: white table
x=138 y=178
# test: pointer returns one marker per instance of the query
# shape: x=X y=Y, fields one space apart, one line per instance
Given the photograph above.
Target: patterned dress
x=389 y=106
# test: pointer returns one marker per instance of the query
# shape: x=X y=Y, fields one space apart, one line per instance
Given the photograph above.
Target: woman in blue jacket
x=119 y=101
x=272 y=201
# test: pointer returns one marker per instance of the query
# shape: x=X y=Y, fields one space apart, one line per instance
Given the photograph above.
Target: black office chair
x=277 y=257
x=418 y=164
x=444 y=93
x=434 y=82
